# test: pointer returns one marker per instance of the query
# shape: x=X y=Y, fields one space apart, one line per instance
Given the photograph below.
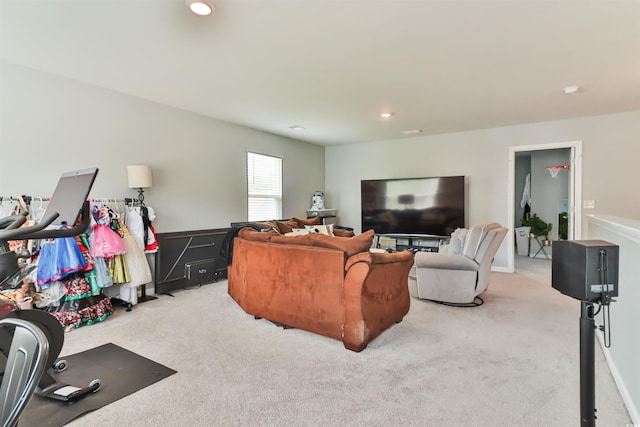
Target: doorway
x=574 y=193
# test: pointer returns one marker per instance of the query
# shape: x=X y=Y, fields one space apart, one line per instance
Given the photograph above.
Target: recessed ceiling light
x=200 y=7
x=386 y=115
x=296 y=127
x=412 y=132
x=571 y=89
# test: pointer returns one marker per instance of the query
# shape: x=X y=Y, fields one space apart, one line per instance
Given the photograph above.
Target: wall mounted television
x=414 y=206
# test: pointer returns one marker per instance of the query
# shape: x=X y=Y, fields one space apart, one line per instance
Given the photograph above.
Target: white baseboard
x=622 y=388
x=500 y=269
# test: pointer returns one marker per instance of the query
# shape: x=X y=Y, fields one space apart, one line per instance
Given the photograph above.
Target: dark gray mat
x=122 y=372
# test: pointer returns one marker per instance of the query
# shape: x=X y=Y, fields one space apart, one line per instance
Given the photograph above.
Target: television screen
x=415 y=206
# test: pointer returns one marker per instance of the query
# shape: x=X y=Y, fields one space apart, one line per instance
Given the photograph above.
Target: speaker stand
x=587 y=366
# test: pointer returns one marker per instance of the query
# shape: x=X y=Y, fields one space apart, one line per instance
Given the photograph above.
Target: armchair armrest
x=444 y=261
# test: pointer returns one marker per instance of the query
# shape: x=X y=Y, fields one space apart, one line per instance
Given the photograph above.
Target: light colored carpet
x=512 y=362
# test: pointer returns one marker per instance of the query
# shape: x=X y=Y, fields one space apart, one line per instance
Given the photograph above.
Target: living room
x=53 y=120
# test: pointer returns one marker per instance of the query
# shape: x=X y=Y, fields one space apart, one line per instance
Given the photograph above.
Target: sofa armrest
x=444 y=261
x=376 y=295
x=377 y=258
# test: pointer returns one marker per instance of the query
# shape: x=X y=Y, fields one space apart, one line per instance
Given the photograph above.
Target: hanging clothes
x=135 y=224
x=79 y=306
x=103 y=274
x=58 y=258
x=139 y=222
x=139 y=271
x=82 y=303
x=119 y=270
x=105 y=242
x=526 y=192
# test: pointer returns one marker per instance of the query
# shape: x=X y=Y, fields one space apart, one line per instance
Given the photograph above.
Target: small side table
x=542 y=244
x=328 y=215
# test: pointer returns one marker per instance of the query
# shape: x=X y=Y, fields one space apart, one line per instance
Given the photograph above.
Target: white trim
x=634 y=413
x=628 y=228
x=575 y=180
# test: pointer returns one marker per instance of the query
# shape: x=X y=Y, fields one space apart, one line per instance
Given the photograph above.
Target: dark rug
x=122 y=373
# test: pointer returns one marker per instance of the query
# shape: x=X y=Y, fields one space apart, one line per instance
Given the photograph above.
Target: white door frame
x=575 y=191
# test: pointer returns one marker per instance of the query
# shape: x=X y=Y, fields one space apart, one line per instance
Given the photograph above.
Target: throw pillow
x=316 y=220
x=286 y=226
x=267 y=225
x=297 y=232
x=302 y=240
x=259 y=236
x=340 y=232
x=377 y=250
x=456 y=243
x=322 y=229
x=349 y=245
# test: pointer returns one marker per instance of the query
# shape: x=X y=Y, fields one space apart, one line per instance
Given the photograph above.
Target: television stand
x=413 y=242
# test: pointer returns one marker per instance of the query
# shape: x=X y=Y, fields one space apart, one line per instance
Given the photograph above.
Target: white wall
x=50 y=125
x=610 y=152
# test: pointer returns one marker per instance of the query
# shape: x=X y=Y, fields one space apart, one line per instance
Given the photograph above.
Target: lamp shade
x=139 y=176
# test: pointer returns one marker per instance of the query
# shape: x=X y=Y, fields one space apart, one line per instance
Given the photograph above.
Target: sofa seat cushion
x=349 y=245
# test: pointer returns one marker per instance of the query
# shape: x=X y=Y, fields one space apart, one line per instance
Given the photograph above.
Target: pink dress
x=105 y=242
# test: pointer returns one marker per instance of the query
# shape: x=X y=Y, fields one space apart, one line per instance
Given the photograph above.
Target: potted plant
x=563 y=226
x=537 y=225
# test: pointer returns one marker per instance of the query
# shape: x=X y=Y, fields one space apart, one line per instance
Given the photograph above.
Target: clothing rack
x=25 y=202
x=29 y=199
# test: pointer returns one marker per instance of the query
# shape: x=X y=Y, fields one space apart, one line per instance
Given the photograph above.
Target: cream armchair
x=457 y=279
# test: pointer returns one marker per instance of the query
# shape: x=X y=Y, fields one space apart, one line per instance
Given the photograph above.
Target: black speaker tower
x=587 y=270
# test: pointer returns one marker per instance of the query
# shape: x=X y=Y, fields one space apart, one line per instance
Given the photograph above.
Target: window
x=264 y=189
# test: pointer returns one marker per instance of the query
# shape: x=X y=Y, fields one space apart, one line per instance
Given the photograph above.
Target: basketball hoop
x=553 y=170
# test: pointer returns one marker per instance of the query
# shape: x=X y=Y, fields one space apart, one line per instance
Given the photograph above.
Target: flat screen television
x=414 y=206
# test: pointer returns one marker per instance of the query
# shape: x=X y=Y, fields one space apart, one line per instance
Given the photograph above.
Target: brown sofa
x=332 y=286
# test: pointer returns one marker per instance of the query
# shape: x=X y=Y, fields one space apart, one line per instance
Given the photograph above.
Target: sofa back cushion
x=349 y=245
x=286 y=226
x=267 y=225
x=302 y=239
x=343 y=233
x=316 y=220
x=259 y=236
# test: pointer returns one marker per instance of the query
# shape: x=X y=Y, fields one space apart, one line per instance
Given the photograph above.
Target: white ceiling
x=332 y=65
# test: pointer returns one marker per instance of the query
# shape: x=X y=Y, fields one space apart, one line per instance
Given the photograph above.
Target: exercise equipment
x=70 y=197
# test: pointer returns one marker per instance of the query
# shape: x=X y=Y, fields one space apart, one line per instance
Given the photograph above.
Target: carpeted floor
x=512 y=362
x=126 y=372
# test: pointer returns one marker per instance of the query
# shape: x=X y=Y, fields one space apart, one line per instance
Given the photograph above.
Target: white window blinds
x=264 y=178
